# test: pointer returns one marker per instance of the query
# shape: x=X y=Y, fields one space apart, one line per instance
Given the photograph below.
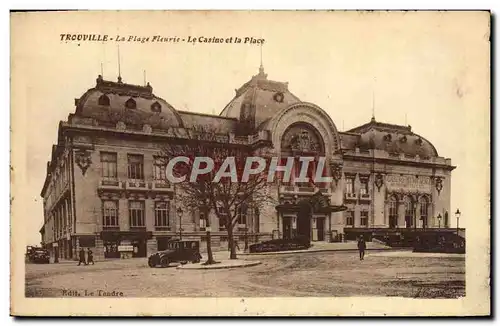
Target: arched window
x=409 y=211
x=156 y=107
x=393 y=212
x=130 y=104
x=103 y=100
x=423 y=211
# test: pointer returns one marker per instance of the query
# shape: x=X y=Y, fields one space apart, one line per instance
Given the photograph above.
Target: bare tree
x=229 y=196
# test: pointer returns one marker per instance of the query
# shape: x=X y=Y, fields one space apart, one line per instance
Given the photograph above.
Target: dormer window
x=131 y=104
x=156 y=107
x=104 y=100
x=403 y=139
x=388 y=137
x=419 y=141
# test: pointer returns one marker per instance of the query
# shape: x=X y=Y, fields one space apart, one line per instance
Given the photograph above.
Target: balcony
x=135 y=184
x=303 y=190
x=160 y=185
x=350 y=196
x=110 y=184
x=365 y=197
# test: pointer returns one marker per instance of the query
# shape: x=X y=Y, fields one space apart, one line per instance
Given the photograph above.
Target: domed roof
x=112 y=102
x=259 y=99
x=393 y=139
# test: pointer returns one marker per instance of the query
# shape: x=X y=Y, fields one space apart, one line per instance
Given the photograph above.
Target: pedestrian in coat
x=361 y=247
x=81 y=255
x=90 y=256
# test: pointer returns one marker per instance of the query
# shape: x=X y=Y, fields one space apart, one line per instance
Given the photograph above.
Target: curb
x=209 y=267
x=311 y=251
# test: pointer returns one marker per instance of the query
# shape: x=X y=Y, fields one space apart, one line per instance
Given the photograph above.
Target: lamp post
x=457 y=214
x=179 y=212
x=439 y=217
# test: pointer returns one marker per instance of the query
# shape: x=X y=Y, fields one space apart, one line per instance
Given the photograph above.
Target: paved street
x=305 y=274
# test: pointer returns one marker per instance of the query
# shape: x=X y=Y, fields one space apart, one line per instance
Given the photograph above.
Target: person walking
x=81 y=255
x=90 y=257
x=361 y=247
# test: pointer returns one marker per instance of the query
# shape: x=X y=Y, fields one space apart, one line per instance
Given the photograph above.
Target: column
x=386 y=213
x=419 y=223
x=123 y=215
x=172 y=216
x=280 y=225
x=99 y=249
x=149 y=211
x=431 y=219
x=401 y=215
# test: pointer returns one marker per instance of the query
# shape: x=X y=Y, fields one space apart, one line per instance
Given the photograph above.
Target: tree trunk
x=230 y=239
x=210 y=254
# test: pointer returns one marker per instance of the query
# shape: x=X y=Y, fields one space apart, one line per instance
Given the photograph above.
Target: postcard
x=250 y=163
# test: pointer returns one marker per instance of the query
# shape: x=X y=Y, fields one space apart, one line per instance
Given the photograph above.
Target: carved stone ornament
x=83 y=160
x=278 y=97
x=379 y=181
x=439 y=184
x=303 y=142
x=336 y=172
x=147 y=129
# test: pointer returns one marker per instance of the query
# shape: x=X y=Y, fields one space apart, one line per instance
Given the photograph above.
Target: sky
x=428 y=70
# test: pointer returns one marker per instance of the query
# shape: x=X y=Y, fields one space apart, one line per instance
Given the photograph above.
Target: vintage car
x=177 y=251
x=296 y=243
x=39 y=255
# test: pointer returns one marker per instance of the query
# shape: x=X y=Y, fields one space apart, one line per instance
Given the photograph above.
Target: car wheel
x=151 y=263
x=164 y=262
x=184 y=262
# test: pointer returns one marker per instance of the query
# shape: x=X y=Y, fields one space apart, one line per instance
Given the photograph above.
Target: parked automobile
x=39 y=255
x=177 y=251
x=297 y=243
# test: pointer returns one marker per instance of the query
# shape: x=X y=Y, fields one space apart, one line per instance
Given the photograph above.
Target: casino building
x=106 y=186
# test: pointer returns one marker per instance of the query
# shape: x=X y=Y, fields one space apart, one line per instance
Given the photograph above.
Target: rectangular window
x=162 y=219
x=349 y=185
x=136 y=214
x=160 y=169
x=349 y=218
x=364 y=186
x=108 y=164
x=222 y=217
x=135 y=167
x=364 y=218
x=242 y=215
x=110 y=214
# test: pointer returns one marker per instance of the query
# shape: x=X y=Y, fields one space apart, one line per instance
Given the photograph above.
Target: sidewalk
x=325 y=246
x=222 y=264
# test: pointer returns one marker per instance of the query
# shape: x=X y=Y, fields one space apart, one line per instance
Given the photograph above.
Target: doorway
x=320 y=225
x=304 y=221
x=287 y=227
x=139 y=248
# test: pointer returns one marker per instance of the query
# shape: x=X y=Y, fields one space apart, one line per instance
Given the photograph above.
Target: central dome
x=258 y=100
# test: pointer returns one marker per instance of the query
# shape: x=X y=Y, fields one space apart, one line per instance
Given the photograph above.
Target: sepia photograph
x=331 y=163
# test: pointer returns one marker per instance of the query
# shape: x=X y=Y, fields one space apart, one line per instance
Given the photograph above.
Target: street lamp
x=439 y=217
x=457 y=214
x=179 y=212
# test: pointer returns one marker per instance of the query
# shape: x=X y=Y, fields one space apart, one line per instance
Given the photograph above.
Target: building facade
x=106 y=184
